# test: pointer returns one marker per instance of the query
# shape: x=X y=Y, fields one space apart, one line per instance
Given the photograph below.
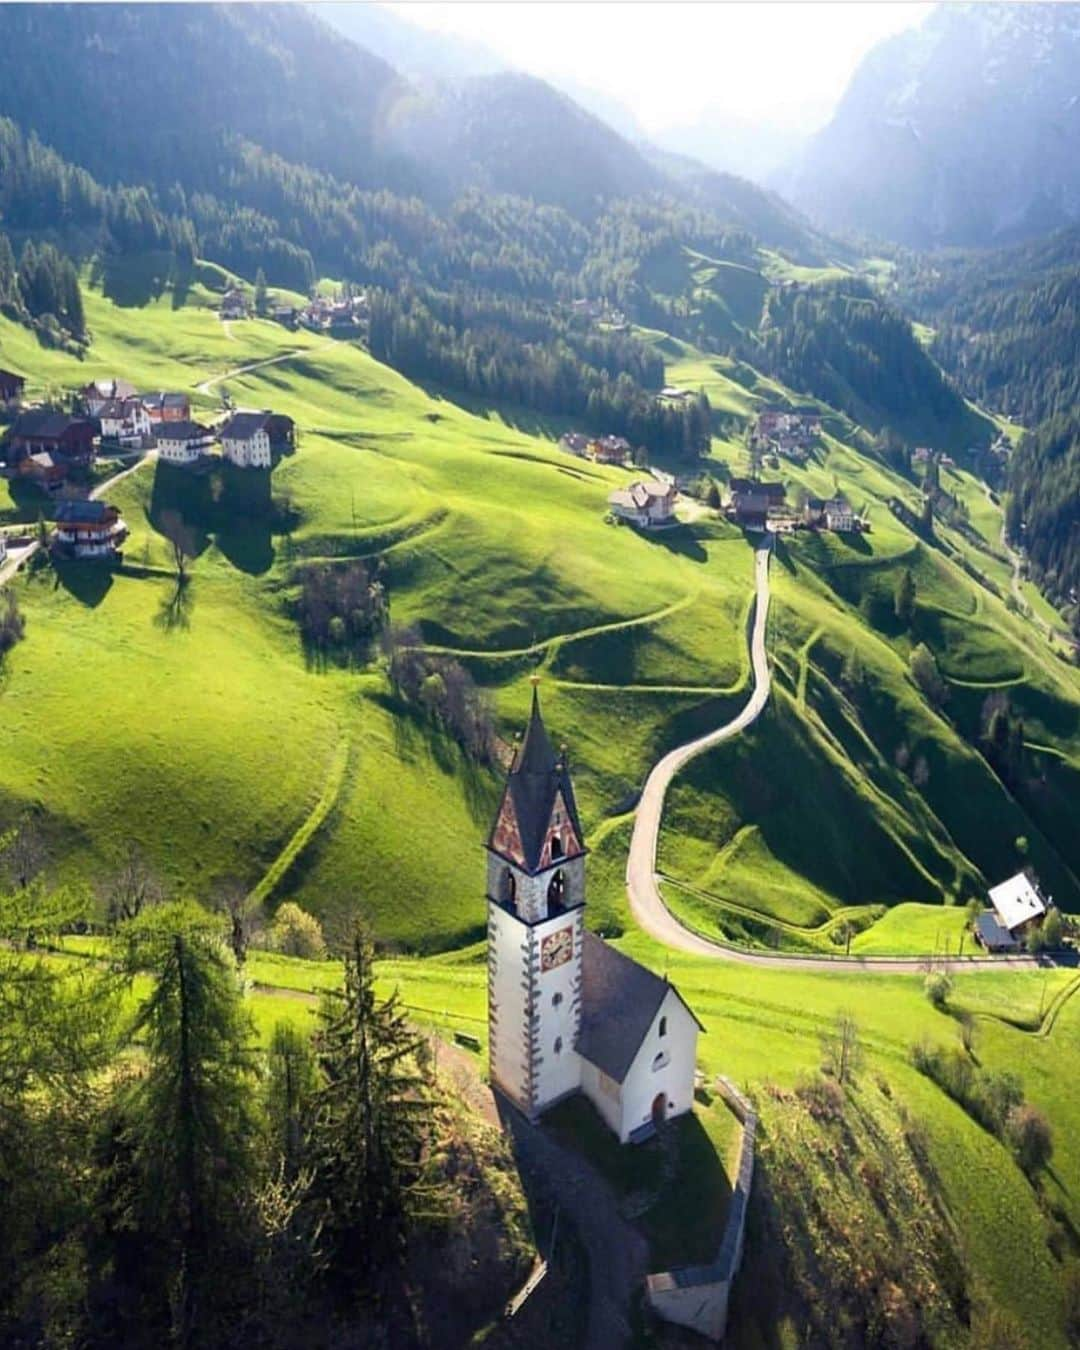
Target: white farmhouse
x=248 y=439
x=124 y=421
x=183 y=442
x=568 y=1013
x=1018 y=904
x=649 y=502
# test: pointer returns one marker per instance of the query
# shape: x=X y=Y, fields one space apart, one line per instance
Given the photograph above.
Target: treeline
x=1006 y=324
x=42 y=290
x=841 y=343
x=167 y=1180
x=1043 y=507
x=509 y=351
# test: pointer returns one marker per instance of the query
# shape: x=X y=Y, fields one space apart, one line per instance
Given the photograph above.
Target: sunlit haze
x=785 y=64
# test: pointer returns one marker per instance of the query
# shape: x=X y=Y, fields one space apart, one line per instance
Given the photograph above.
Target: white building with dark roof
x=649 y=502
x=248 y=439
x=568 y=1013
x=183 y=442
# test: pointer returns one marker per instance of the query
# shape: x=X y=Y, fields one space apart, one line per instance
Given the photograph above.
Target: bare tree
x=182 y=538
x=840 y=1048
x=133 y=887
x=232 y=898
x=23 y=853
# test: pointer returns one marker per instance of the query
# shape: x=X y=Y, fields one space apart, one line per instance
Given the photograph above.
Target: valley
x=802 y=721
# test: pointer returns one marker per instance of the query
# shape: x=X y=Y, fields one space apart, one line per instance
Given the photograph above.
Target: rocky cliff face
x=962 y=131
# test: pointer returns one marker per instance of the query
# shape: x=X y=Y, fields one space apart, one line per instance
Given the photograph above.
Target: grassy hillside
x=495 y=544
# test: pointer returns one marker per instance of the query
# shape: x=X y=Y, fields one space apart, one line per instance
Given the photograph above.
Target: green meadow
x=192 y=722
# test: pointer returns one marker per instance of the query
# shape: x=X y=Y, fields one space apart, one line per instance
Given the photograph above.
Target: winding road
x=647 y=904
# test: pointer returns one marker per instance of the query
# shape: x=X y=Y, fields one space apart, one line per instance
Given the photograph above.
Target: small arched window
x=509 y=887
x=558 y=1045
x=557 y=889
x=660 y=1060
x=556 y=999
x=663 y=1026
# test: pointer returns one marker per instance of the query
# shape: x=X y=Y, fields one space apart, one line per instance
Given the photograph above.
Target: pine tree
x=260 y=292
x=190 y=1118
x=904 y=598
x=372 y=1123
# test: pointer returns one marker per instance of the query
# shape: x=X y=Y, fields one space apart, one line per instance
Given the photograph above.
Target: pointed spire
x=535 y=754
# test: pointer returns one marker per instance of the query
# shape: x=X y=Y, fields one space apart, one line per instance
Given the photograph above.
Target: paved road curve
x=647 y=904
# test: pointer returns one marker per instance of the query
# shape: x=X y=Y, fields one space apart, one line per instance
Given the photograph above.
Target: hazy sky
x=785 y=63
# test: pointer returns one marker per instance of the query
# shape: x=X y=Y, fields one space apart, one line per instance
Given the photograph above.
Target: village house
x=750 y=501
x=164 y=407
x=649 y=502
x=610 y=450
x=41 y=468
x=234 y=304
x=87 y=529
x=94 y=396
x=567 y=1013
x=574 y=443
x=183 y=442
x=70 y=440
x=829 y=513
x=11 y=388
x=124 y=422
x=248 y=439
x=1017 y=906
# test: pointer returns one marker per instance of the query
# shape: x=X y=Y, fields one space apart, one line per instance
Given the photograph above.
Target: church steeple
x=537 y=824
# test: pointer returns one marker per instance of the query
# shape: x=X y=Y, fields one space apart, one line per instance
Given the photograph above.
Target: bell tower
x=535 y=899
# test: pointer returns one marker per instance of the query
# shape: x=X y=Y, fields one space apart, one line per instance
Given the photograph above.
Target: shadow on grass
x=233 y=507
x=680 y=539
x=133 y=280
x=174 y=612
x=88 y=582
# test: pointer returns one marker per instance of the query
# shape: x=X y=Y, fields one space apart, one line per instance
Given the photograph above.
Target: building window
x=557 y=890
x=556 y=846
x=663 y=1026
x=558 y=1045
x=509 y=887
x=660 y=1060
x=556 y=999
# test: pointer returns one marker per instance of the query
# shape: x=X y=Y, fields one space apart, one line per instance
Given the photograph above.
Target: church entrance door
x=659 y=1109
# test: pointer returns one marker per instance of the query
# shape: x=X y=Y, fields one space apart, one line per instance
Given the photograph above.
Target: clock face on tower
x=557 y=948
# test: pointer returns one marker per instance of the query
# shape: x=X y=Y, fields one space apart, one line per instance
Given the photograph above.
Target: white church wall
x=674 y=1056
x=508 y=1005
x=557 y=1012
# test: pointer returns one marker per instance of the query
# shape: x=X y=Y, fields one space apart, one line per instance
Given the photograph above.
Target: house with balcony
x=183 y=442
x=249 y=439
x=87 y=530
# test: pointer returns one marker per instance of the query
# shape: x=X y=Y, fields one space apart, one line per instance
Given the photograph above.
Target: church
x=567 y=1012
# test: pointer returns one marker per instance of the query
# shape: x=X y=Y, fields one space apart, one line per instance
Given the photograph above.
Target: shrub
x=925 y=673
x=1030 y=1137
x=938 y=987
x=295 y=932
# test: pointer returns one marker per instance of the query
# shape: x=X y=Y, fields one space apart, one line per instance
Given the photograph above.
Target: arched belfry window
x=509 y=887
x=557 y=889
x=557 y=849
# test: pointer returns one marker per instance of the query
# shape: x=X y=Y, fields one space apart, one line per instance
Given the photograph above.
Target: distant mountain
x=143 y=92
x=963 y=131
x=514 y=133
x=749 y=147
x=408 y=47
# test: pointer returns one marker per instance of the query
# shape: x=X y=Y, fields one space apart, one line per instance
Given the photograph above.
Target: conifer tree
x=904 y=598
x=190 y=1117
x=372 y=1123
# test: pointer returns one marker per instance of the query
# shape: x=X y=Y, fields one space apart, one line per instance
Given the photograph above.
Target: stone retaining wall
x=697 y=1296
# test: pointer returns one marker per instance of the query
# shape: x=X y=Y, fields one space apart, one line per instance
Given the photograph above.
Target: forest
x=167 y=1178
